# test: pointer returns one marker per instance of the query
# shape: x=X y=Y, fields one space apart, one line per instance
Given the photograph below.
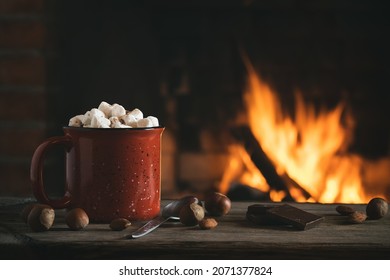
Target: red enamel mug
x=110 y=173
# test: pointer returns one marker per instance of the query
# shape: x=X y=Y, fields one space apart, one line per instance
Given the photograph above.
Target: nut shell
x=77 y=219
x=377 y=208
x=119 y=224
x=217 y=204
x=41 y=218
x=191 y=214
x=27 y=209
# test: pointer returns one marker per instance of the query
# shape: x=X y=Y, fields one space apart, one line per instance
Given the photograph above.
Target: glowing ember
x=309 y=148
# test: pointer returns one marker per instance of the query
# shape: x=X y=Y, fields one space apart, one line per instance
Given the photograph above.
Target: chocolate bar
x=257 y=214
x=259 y=209
x=296 y=217
x=282 y=215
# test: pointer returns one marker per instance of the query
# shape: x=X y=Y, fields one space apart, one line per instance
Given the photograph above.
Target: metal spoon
x=170 y=211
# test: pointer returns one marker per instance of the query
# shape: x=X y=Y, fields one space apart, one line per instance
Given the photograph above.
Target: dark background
x=182 y=61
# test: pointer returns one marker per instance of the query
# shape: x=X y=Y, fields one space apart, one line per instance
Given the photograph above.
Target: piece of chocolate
x=296 y=217
x=257 y=214
x=263 y=220
x=258 y=209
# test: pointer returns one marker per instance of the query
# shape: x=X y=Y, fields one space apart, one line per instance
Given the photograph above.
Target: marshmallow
x=128 y=119
x=144 y=123
x=117 y=111
x=100 y=122
x=154 y=120
x=105 y=108
x=97 y=113
x=137 y=114
x=114 y=116
x=96 y=118
x=87 y=118
x=149 y=121
x=116 y=123
x=76 y=121
x=119 y=125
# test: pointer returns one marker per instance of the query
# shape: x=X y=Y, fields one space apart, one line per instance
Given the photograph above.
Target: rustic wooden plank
x=234 y=238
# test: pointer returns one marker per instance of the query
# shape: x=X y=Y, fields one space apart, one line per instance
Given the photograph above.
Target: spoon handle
x=148 y=227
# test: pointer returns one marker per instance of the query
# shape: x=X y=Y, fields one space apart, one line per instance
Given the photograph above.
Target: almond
x=357 y=217
x=345 y=210
x=208 y=223
x=119 y=224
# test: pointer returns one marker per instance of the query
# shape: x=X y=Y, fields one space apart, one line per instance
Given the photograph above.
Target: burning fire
x=308 y=148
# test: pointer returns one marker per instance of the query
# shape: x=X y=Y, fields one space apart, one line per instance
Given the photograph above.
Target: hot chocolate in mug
x=110 y=173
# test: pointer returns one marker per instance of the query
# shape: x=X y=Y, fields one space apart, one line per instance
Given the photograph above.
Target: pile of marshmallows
x=113 y=116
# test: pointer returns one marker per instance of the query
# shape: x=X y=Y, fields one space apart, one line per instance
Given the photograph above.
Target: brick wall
x=22 y=91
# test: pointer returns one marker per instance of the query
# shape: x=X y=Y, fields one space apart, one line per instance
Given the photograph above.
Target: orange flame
x=309 y=148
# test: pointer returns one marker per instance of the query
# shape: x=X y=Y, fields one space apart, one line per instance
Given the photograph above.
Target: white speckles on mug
x=115 y=173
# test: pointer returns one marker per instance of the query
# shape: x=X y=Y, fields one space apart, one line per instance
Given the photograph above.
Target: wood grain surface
x=234 y=238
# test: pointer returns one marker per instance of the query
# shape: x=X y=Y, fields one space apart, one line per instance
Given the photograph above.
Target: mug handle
x=36 y=171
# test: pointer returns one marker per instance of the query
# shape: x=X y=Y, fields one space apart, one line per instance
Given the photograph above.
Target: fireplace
x=302 y=156
x=187 y=63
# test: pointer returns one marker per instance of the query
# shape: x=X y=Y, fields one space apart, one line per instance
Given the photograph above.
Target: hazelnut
x=377 y=208
x=217 y=204
x=77 y=219
x=191 y=214
x=27 y=209
x=208 y=223
x=344 y=210
x=119 y=224
x=41 y=217
x=357 y=217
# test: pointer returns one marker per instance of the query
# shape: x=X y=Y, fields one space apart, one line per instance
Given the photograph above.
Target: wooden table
x=234 y=238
